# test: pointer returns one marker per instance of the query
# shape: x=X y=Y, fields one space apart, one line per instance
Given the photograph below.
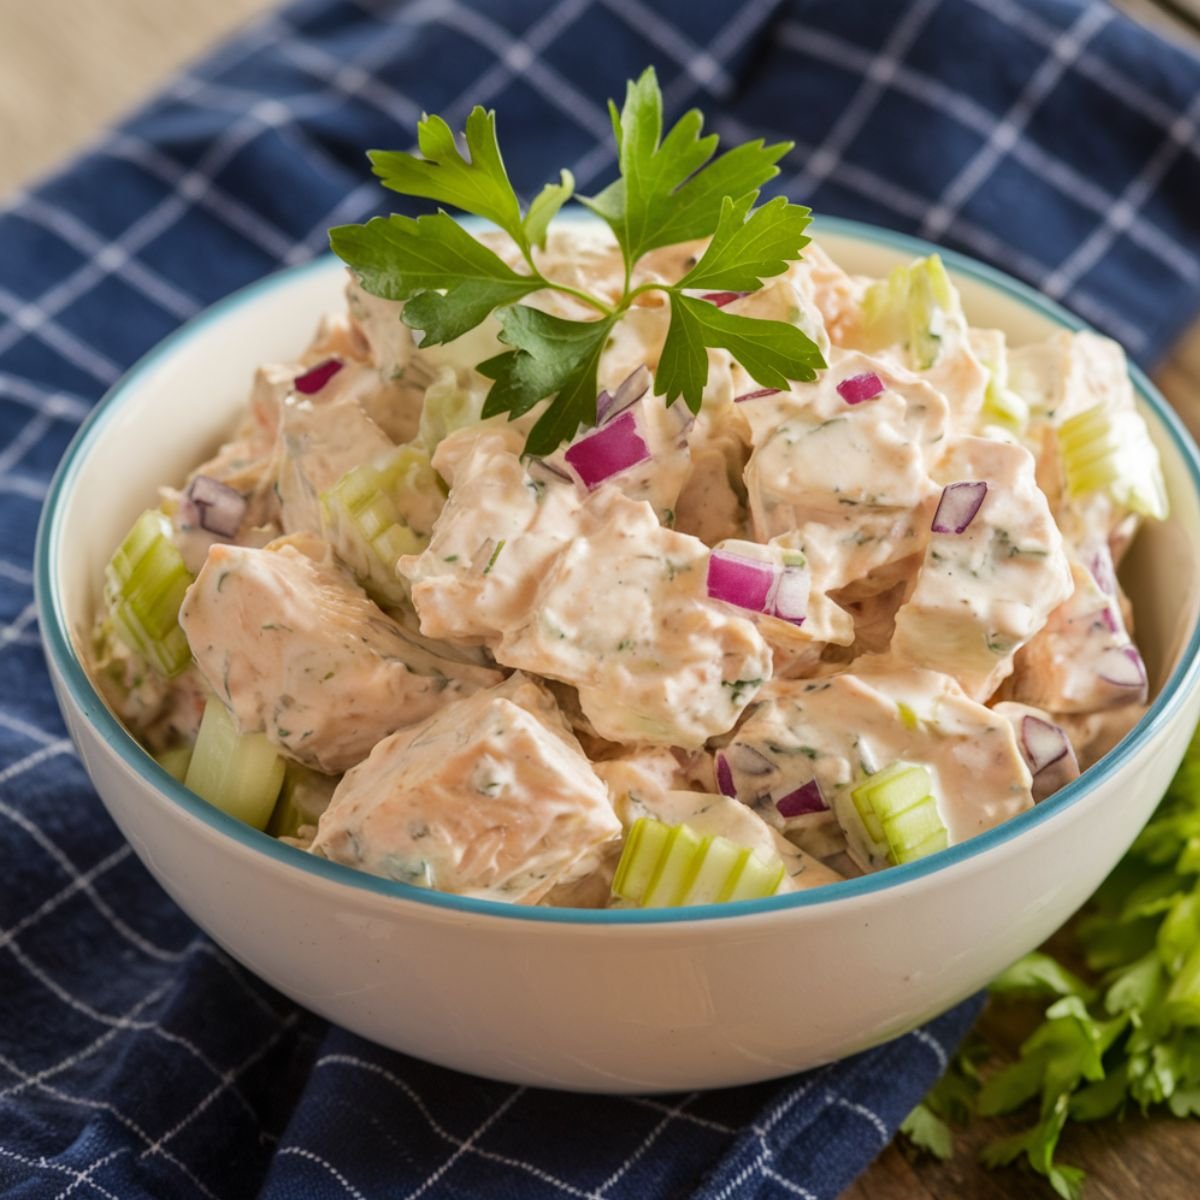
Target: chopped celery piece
x=1003 y=405
x=910 y=307
x=676 y=869
x=144 y=586
x=672 y=865
x=448 y=406
x=720 y=868
x=238 y=773
x=643 y=847
x=756 y=878
x=899 y=812
x=371 y=517
x=908 y=718
x=305 y=796
x=1113 y=452
x=910 y=830
x=175 y=761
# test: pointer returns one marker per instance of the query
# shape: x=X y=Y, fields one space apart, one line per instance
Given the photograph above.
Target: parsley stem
x=649 y=287
x=582 y=296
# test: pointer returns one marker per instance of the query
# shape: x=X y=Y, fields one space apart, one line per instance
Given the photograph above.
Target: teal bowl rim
x=56 y=636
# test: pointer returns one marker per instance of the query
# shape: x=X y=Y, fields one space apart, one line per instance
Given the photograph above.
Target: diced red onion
x=748 y=760
x=790 y=602
x=315 y=378
x=725 y=777
x=214 y=506
x=1100 y=564
x=1109 y=618
x=755 y=395
x=1123 y=667
x=958 y=506
x=606 y=452
x=720 y=299
x=631 y=389
x=802 y=801
x=742 y=582
x=759 y=587
x=858 y=388
x=540 y=468
x=1042 y=743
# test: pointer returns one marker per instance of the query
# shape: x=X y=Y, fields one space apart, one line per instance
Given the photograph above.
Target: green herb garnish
x=1129 y=1039
x=671 y=189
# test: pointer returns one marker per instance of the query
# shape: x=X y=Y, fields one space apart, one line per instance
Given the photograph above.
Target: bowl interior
x=182 y=399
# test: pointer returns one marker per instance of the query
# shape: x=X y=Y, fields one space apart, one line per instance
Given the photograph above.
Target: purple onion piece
x=603 y=404
x=631 y=389
x=213 y=506
x=720 y=299
x=1100 y=564
x=1110 y=619
x=802 y=801
x=742 y=582
x=1047 y=781
x=606 y=452
x=1042 y=744
x=725 y=777
x=748 y=760
x=1122 y=666
x=760 y=587
x=315 y=378
x=958 y=506
x=790 y=599
x=858 y=388
x=755 y=395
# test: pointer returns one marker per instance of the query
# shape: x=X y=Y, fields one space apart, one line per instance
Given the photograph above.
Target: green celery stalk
x=240 y=774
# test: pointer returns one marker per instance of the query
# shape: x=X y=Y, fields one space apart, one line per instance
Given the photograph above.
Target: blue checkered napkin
x=1052 y=137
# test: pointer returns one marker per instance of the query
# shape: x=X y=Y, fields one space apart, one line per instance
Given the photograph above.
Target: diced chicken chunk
x=1081 y=661
x=492 y=544
x=492 y=798
x=316 y=445
x=297 y=650
x=983 y=593
x=849 y=484
x=622 y=615
x=590 y=591
x=840 y=730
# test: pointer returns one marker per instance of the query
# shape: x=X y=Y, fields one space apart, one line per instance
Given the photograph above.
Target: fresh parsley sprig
x=670 y=189
x=1130 y=1040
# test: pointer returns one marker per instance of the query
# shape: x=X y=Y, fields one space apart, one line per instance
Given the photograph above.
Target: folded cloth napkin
x=1052 y=137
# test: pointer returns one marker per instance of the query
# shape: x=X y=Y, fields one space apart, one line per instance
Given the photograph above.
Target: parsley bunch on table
x=670 y=189
x=1130 y=1037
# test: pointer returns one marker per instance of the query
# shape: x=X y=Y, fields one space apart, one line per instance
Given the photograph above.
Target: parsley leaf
x=772 y=352
x=451 y=280
x=545 y=207
x=671 y=189
x=749 y=247
x=928 y=1132
x=552 y=357
x=477 y=185
x=667 y=193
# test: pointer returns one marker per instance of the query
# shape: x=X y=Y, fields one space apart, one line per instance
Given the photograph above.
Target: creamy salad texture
x=838 y=626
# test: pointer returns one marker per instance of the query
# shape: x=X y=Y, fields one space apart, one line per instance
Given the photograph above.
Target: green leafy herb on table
x=671 y=189
x=1131 y=1039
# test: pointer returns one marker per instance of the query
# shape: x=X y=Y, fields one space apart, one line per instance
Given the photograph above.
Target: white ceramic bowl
x=604 y=1001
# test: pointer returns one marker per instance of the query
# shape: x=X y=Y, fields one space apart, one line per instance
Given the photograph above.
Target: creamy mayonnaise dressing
x=553 y=660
